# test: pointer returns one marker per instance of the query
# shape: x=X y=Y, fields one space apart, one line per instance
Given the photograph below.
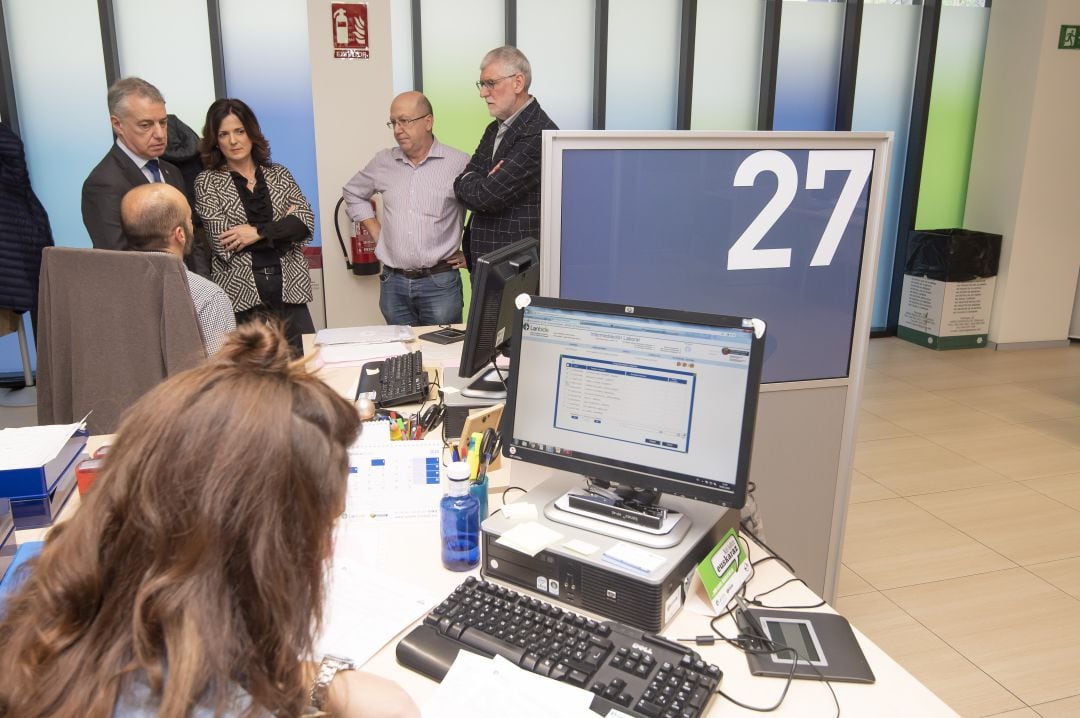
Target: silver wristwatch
x=327 y=670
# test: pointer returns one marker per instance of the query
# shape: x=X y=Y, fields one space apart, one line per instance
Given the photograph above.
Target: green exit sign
x=1069 y=39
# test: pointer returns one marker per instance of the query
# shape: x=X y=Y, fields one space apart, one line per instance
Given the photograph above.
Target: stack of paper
x=355 y=346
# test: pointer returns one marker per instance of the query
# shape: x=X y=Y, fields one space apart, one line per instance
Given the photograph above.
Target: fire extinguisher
x=360 y=257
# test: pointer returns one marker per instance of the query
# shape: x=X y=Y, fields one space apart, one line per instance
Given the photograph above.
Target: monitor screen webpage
x=653 y=399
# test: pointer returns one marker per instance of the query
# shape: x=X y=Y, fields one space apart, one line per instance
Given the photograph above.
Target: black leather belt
x=418 y=273
x=267 y=271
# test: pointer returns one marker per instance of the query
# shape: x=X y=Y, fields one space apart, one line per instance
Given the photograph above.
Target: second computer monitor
x=497 y=279
x=652 y=399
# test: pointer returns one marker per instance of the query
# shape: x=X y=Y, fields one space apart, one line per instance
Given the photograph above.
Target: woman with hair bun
x=191 y=580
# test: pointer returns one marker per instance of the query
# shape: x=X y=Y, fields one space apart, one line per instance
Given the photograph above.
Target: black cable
x=760 y=542
x=757 y=602
x=787 y=683
x=502 y=378
x=510 y=488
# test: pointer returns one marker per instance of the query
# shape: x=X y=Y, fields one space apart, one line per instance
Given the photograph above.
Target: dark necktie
x=152 y=165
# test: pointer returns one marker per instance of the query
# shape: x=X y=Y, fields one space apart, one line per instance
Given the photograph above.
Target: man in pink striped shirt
x=418 y=240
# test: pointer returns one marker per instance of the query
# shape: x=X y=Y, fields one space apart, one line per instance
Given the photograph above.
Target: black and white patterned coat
x=218 y=203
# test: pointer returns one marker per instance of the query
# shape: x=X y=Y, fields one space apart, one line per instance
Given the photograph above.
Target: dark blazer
x=102 y=191
x=506 y=204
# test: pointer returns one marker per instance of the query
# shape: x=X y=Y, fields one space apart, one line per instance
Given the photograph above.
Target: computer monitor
x=497 y=279
x=640 y=402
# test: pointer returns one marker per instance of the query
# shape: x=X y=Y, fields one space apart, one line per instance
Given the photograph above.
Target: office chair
x=111 y=326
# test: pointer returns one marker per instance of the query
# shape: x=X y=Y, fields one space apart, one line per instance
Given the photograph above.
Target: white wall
x=351 y=101
x=1024 y=184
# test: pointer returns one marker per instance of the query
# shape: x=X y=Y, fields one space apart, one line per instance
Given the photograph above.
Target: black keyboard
x=395 y=380
x=638 y=673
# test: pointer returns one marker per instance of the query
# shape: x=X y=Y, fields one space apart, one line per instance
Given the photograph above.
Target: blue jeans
x=435 y=299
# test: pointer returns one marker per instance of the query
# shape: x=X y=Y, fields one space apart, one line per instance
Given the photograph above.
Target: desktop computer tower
x=591 y=583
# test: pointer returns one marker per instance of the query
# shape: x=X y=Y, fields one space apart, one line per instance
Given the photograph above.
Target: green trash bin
x=949 y=280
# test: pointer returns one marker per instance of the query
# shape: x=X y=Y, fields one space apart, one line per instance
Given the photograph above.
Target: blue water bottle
x=459 y=518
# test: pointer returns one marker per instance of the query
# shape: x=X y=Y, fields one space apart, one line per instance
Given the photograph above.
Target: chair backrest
x=111 y=325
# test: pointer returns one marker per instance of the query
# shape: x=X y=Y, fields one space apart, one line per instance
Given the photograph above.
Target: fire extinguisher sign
x=350 y=25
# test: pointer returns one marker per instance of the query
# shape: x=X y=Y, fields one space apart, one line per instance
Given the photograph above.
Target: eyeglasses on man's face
x=489 y=85
x=404 y=121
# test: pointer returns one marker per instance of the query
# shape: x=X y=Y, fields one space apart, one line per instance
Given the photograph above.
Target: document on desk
x=29 y=446
x=359 y=354
x=375 y=334
x=365 y=608
x=394 y=480
x=481 y=687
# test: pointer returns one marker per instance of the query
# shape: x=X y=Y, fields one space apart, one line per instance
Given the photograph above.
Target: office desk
x=409 y=551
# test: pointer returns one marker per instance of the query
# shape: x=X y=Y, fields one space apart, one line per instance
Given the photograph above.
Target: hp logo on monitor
x=628 y=310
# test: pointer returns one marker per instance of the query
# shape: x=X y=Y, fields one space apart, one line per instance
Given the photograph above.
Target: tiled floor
x=962 y=552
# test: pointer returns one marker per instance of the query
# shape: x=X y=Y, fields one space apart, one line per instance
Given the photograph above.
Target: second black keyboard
x=636 y=672
x=395 y=380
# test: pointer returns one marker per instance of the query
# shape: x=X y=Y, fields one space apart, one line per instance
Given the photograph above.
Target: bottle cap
x=458 y=471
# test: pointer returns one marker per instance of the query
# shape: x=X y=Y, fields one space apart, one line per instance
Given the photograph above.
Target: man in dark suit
x=137 y=113
x=501 y=183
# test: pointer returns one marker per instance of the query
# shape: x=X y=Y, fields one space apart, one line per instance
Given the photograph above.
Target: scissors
x=489 y=448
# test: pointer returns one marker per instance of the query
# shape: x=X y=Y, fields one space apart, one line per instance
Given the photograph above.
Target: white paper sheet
x=365 y=608
x=33 y=446
x=481 y=687
x=530 y=538
x=358 y=354
x=375 y=334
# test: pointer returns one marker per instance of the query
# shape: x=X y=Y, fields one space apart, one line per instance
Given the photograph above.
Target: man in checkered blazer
x=501 y=183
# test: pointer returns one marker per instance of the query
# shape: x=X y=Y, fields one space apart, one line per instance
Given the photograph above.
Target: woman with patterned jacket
x=257 y=220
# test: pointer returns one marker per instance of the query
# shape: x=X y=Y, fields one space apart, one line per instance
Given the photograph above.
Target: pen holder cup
x=479 y=489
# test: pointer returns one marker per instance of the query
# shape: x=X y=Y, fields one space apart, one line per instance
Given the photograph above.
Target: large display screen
x=770 y=233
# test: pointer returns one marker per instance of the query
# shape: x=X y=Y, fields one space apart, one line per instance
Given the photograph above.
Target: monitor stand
x=485 y=385
x=656 y=527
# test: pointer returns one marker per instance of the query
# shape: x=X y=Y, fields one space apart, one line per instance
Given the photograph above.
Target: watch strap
x=328 y=668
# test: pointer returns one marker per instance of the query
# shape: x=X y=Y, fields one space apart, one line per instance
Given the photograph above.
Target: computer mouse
x=366 y=407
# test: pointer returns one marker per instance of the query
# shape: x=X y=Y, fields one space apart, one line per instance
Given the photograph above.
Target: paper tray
x=7 y=537
x=35 y=512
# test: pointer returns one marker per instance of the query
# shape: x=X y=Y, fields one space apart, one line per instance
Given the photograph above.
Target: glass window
x=888 y=50
x=562 y=70
x=58 y=88
x=452 y=65
x=265 y=47
x=727 y=64
x=950 y=126
x=808 y=66
x=401 y=43
x=188 y=85
x=642 y=64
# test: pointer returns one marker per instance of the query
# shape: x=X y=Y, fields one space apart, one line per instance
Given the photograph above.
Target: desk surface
x=408 y=551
